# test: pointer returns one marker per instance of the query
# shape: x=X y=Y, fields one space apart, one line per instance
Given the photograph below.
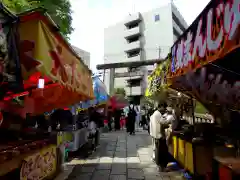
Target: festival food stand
x=80 y=133
x=53 y=76
x=204 y=65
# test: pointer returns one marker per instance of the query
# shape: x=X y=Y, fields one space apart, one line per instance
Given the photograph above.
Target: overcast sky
x=90 y=17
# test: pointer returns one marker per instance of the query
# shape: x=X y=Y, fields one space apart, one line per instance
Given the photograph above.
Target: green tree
x=120 y=92
x=17 y=6
x=59 y=10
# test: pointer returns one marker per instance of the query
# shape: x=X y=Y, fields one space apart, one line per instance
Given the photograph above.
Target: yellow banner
x=45 y=51
x=158 y=79
x=39 y=165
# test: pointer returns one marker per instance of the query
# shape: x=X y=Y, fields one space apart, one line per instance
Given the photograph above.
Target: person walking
x=137 y=122
x=92 y=128
x=158 y=124
x=131 y=118
x=96 y=117
x=109 y=119
x=143 y=122
x=117 y=116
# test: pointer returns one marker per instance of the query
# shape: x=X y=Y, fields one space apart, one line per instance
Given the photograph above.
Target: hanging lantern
x=41 y=83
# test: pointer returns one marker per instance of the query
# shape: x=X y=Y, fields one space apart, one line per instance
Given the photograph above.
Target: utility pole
x=159 y=52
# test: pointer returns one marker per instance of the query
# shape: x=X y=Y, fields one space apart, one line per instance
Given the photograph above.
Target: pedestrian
x=143 y=118
x=97 y=118
x=171 y=118
x=158 y=124
x=131 y=118
x=92 y=128
x=137 y=118
x=150 y=111
x=117 y=116
x=109 y=118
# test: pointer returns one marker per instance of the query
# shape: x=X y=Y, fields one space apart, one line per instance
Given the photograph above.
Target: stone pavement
x=120 y=157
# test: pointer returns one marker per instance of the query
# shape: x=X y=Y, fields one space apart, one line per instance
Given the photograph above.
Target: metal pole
x=104 y=71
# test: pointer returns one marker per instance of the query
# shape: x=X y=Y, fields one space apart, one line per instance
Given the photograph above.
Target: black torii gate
x=131 y=65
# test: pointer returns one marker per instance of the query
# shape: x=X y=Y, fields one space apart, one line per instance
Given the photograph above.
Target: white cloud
x=90 y=17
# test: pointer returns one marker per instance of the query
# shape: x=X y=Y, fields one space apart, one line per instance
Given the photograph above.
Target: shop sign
x=39 y=165
x=213 y=35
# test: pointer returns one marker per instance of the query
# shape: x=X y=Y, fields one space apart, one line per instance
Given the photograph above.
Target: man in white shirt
x=158 y=122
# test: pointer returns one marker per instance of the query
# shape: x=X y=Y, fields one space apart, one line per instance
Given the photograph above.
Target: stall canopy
x=118 y=102
x=45 y=55
x=205 y=59
x=100 y=93
x=10 y=74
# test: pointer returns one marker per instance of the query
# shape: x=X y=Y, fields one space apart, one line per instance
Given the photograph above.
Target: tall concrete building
x=140 y=37
x=84 y=55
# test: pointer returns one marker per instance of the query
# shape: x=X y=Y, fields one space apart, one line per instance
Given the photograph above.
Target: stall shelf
x=79 y=131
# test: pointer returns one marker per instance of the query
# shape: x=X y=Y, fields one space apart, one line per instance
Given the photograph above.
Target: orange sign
x=214 y=34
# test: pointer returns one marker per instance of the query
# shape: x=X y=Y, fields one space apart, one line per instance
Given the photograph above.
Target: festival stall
x=53 y=76
x=80 y=134
x=204 y=65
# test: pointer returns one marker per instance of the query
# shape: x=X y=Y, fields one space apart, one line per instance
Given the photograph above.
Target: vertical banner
x=10 y=72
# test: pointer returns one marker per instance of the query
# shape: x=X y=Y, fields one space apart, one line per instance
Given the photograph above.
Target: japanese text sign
x=212 y=35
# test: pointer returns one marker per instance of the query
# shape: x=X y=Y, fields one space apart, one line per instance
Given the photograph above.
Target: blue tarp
x=100 y=94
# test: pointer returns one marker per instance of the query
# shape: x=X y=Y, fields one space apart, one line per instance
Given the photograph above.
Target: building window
x=133 y=53
x=132 y=25
x=177 y=21
x=133 y=39
x=157 y=17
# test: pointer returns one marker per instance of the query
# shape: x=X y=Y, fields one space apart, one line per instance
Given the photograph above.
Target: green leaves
x=17 y=6
x=59 y=10
x=120 y=92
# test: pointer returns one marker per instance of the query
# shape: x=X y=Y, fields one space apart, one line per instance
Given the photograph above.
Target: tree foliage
x=120 y=91
x=59 y=10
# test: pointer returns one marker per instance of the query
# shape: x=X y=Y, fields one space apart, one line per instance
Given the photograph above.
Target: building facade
x=140 y=37
x=84 y=55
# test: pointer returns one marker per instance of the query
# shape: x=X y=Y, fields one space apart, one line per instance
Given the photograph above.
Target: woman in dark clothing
x=131 y=119
x=117 y=116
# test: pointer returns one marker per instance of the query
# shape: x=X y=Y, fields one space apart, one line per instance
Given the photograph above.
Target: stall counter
x=196 y=157
x=80 y=137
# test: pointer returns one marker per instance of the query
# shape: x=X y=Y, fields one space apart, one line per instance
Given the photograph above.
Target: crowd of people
x=159 y=122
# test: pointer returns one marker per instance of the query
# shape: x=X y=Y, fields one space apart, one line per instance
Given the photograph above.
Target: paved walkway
x=120 y=157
